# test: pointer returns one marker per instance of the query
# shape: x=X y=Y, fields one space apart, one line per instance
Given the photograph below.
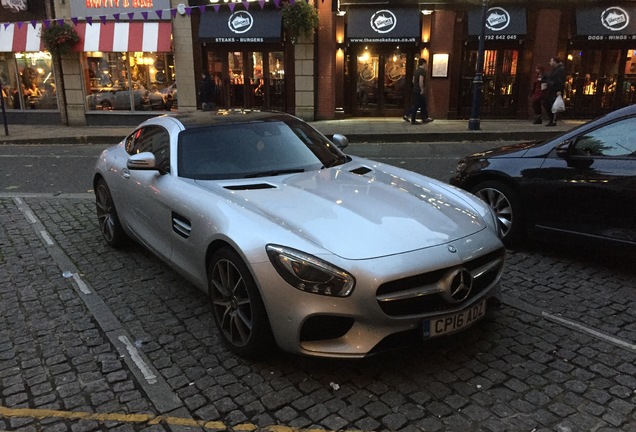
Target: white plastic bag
x=558 y=105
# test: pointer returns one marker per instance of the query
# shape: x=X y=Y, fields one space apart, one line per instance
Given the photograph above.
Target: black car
x=582 y=183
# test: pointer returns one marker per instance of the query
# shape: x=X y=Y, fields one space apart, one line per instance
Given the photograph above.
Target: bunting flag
x=16 y=37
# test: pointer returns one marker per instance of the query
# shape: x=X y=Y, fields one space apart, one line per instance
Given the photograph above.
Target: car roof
x=195 y=119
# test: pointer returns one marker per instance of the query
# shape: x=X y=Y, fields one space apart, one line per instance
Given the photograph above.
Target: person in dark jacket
x=206 y=92
x=556 y=85
x=538 y=94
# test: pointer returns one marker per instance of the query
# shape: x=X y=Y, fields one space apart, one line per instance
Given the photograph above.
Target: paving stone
x=515 y=371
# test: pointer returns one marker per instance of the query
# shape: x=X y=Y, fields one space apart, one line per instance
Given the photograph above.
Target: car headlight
x=461 y=166
x=309 y=273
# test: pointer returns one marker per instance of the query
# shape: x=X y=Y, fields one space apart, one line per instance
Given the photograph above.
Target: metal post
x=478 y=82
x=4 y=112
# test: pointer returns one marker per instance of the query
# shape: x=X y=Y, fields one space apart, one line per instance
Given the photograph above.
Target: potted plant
x=299 y=18
x=59 y=39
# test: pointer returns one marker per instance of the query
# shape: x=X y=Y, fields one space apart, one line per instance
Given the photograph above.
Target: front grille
x=421 y=294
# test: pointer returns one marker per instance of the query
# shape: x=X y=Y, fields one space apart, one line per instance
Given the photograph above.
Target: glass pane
x=508 y=72
x=627 y=85
x=110 y=83
x=367 y=84
x=394 y=79
x=257 y=83
x=36 y=81
x=237 y=96
x=8 y=75
x=215 y=67
x=277 y=81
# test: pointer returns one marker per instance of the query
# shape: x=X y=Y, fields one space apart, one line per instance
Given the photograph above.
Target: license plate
x=453 y=322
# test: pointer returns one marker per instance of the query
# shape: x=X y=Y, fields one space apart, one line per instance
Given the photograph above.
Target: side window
x=154 y=139
x=130 y=141
x=613 y=140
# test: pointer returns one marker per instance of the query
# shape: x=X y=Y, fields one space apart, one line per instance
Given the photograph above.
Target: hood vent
x=253 y=186
x=361 y=170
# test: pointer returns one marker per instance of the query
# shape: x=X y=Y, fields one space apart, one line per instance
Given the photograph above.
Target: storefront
x=244 y=53
x=127 y=64
x=26 y=71
x=383 y=45
x=505 y=30
x=601 y=61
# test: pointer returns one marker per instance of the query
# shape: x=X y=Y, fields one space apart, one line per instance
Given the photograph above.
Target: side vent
x=181 y=225
x=361 y=170
x=253 y=186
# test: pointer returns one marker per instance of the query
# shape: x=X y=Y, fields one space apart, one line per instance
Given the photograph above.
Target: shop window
x=134 y=81
x=28 y=81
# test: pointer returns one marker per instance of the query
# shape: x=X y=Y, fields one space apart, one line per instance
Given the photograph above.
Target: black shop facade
x=244 y=52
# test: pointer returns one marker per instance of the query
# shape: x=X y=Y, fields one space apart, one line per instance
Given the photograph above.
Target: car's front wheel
x=503 y=200
x=238 y=309
x=107 y=217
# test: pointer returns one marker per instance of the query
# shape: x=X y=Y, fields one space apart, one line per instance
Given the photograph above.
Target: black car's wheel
x=107 y=217
x=505 y=203
x=238 y=309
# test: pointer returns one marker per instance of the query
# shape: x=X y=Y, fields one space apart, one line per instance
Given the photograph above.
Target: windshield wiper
x=274 y=173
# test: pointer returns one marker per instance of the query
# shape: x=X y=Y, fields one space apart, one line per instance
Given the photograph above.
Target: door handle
x=125 y=173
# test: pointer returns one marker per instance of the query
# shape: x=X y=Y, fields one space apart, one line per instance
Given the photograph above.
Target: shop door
x=380 y=82
x=500 y=83
x=248 y=79
x=599 y=81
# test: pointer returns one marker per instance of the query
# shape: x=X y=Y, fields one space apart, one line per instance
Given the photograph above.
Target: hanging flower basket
x=59 y=39
x=299 y=18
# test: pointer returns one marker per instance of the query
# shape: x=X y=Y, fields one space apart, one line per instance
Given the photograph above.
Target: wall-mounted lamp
x=341 y=13
x=426 y=12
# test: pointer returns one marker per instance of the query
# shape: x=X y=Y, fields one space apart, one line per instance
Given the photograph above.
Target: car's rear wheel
x=503 y=200
x=107 y=217
x=238 y=308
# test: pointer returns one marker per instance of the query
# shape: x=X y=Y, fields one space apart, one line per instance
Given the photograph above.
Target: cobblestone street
x=93 y=338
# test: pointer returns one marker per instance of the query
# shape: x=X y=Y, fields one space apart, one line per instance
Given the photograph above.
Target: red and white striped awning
x=20 y=39
x=105 y=37
x=125 y=36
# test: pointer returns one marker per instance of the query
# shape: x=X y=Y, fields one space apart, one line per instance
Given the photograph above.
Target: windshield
x=244 y=150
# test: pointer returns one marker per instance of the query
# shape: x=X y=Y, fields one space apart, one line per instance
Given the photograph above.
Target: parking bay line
x=521 y=305
x=156 y=388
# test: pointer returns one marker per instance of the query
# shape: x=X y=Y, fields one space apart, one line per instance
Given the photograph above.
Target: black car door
x=590 y=186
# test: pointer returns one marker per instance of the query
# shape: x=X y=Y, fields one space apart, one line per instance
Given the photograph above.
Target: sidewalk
x=358 y=130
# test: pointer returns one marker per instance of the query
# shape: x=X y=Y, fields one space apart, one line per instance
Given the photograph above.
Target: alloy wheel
x=231 y=301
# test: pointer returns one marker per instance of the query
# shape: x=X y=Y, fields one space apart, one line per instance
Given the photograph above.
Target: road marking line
x=139 y=362
x=81 y=284
x=47 y=238
x=29 y=215
x=603 y=336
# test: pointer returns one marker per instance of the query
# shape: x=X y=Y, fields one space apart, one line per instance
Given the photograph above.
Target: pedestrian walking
x=419 y=95
x=539 y=89
x=556 y=85
x=207 y=92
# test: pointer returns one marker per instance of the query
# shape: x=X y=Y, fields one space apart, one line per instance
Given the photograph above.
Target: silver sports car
x=299 y=245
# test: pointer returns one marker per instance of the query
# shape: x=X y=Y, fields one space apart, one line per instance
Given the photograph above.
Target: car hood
x=358 y=213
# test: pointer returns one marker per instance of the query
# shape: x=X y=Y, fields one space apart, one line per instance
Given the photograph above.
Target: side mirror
x=142 y=161
x=340 y=141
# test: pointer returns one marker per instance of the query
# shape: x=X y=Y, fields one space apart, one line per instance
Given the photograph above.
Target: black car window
x=154 y=139
x=613 y=140
x=253 y=149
